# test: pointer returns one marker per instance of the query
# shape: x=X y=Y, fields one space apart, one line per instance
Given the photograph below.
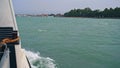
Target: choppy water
x=71 y=42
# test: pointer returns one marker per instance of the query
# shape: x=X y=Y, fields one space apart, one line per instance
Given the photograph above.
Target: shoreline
x=66 y=17
x=91 y=17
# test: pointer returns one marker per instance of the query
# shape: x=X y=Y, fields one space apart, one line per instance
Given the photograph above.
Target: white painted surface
x=5 y=63
x=7 y=17
x=21 y=58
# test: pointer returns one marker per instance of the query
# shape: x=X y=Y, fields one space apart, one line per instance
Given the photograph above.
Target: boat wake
x=37 y=61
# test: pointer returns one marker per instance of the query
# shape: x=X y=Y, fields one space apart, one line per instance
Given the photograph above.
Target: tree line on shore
x=88 y=12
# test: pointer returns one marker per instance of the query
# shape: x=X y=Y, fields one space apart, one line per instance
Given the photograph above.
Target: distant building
x=59 y=15
x=44 y=15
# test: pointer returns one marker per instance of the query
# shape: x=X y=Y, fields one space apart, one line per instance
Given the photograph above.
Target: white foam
x=40 y=62
x=40 y=30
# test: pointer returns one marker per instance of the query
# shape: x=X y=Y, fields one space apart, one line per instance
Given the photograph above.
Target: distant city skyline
x=60 y=6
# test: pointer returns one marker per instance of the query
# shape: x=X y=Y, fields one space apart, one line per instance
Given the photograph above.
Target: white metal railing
x=4 y=63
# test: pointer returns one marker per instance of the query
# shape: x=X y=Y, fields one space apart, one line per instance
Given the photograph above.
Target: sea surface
x=59 y=42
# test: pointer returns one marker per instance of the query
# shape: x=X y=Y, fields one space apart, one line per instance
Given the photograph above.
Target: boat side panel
x=21 y=59
x=7 y=17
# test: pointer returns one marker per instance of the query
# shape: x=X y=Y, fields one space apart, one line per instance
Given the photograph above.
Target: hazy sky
x=60 y=6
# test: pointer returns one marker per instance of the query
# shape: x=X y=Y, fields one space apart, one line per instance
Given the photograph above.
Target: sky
x=60 y=6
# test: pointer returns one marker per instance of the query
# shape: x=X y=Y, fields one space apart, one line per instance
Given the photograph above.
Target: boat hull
x=11 y=54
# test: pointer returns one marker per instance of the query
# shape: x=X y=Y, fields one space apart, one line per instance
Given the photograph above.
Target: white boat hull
x=14 y=56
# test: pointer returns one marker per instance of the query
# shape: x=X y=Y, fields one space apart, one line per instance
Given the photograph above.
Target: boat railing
x=4 y=62
x=2 y=50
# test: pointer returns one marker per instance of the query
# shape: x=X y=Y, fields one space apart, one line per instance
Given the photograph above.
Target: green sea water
x=72 y=42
